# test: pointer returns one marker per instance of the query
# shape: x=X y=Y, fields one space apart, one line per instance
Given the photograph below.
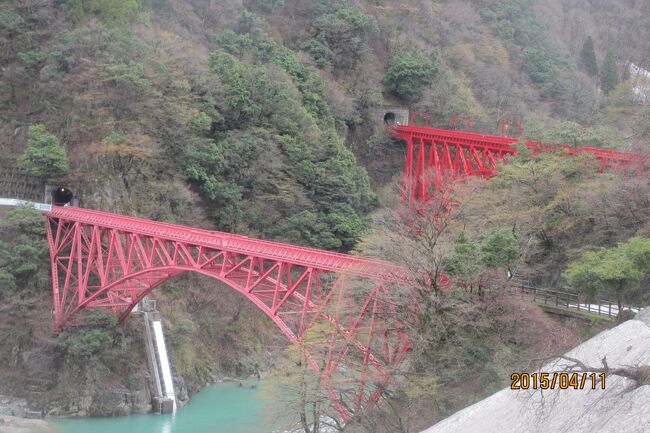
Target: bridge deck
x=463 y=138
x=308 y=257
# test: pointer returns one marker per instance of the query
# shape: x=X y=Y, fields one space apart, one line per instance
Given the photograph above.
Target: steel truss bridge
x=436 y=157
x=111 y=262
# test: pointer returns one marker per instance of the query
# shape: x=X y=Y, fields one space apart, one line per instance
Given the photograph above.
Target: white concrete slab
x=621 y=407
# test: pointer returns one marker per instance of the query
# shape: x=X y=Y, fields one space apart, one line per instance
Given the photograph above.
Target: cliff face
x=69 y=374
x=37 y=368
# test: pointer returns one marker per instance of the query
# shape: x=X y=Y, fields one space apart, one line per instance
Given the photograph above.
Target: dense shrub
x=87 y=342
x=275 y=158
x=22 y=254
x=410 y=70
x=44 y=157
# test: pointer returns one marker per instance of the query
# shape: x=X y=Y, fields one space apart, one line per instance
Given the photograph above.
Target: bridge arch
x=111 y=262
x=152 y=279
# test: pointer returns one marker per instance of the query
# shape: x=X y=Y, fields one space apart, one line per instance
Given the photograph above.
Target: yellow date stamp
x=557 y=380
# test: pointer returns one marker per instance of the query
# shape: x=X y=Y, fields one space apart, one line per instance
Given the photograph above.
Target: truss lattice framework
x=435 y=157
x=608 y=160
x=111 y=262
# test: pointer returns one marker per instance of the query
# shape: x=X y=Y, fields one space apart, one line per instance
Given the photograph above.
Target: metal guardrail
x=43 y=207
x=571 y=301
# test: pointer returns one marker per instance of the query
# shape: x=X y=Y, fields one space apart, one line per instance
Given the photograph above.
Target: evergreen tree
x=45 y=156
x=410 y=71
x=609 y=73
x=588 y=58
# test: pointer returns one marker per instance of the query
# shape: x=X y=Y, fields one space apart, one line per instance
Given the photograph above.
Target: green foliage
x=200 y=123
x=44 y=157
x=61 y=58
x=609 y=78
x=318 y=50
x=94 y=337
x=637 y=249
x=576 y=135
x=469 y=259
x=500 y=248
x=87 y=342
x=7 y=279
x=537 y=178
x=128 y=77
x=10 y=20
x=26 y=258
x=111 y=12
x=409 y=71
x=32 y=60
x=345 y=32
x=588 y=57
x=514 y=21
x=24 y=220
x=618 y=270
x=583 y=274
x=464 y=263
x=540 y=64
x=23 y=253
x=232 y=42
x=99 y=318
x=275 y=158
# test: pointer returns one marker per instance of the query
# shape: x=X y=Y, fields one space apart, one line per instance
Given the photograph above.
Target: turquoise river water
x=221 y=408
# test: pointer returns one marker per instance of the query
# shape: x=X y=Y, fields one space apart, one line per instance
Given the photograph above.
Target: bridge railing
x=570 y=301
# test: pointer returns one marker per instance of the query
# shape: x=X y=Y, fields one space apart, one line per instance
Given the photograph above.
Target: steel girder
x=436 y=157
x=609 y=160
x=111 y=262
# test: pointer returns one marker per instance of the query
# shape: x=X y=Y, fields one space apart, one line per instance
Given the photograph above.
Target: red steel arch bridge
x=111 y=262
x=105 y=261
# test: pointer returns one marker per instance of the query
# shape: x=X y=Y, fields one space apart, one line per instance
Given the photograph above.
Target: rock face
x=11 y=424
x=43 y=380
x=96 y=392
x=13 y=406
x=622 y=407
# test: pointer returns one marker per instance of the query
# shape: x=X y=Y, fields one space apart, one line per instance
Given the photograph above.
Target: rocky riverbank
x=96 y=372
x=13 y=424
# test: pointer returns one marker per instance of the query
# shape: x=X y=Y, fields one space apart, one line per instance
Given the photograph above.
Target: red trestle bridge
x=436 y=157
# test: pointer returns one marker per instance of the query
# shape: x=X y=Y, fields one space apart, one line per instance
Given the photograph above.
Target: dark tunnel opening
x=61 y=196
x=389 y=118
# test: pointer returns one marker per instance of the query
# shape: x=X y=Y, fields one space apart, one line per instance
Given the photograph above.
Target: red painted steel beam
x=111 y=262
x=615 y=160
x=435 y=157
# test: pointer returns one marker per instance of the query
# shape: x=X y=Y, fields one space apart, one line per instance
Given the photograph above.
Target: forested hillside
x=263 y=118
x=250 y=115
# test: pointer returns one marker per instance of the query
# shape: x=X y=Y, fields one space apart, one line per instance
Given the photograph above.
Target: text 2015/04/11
x=557 y=380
